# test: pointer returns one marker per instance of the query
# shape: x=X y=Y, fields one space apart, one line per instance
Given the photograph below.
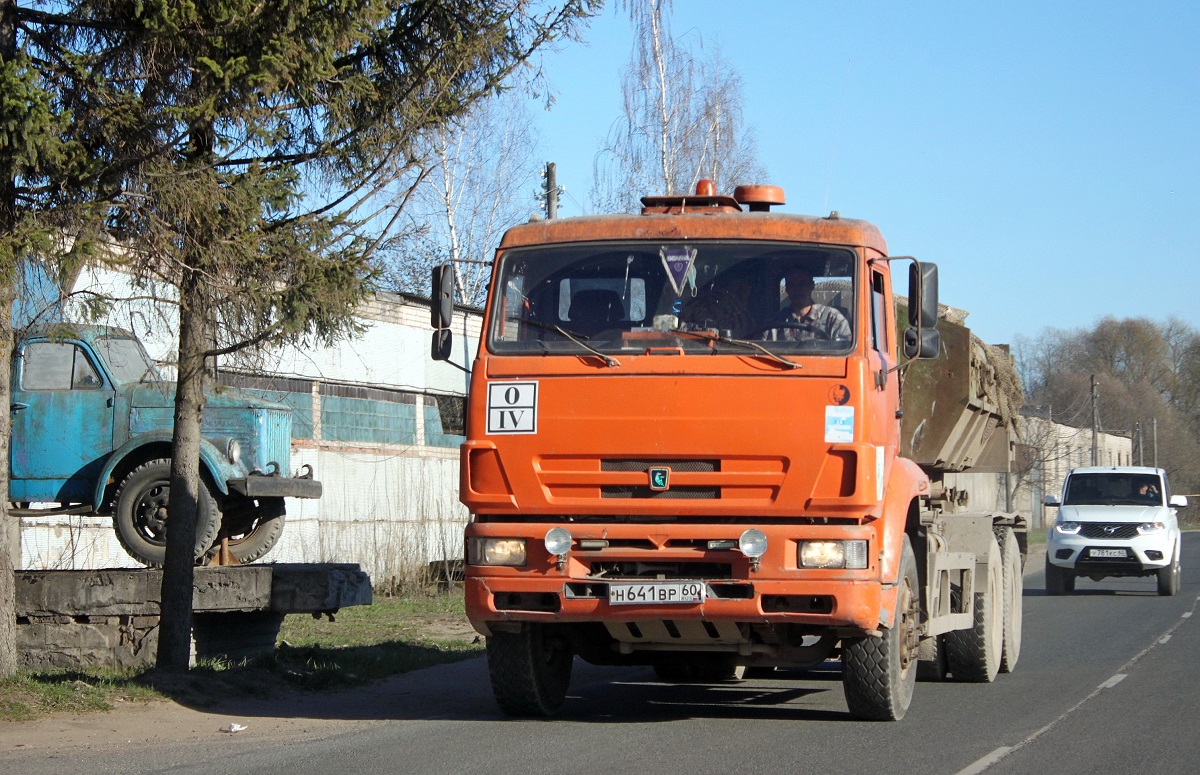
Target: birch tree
x=681 y=120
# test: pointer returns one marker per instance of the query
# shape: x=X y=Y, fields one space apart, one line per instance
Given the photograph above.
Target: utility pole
x=1154 y=430
x=1095 y=423
x=551 y=191
x=1141 y=445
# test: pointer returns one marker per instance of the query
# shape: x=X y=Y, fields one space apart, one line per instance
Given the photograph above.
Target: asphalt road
x=1105 y=684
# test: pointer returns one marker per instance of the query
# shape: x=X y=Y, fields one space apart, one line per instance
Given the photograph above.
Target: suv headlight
x=1150 y=528
x=1067 y=528
x=833 y=554
x=496 y=551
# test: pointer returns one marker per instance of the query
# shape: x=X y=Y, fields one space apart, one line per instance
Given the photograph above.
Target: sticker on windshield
x=678 y=260
x=839 y=424
x=512 y=407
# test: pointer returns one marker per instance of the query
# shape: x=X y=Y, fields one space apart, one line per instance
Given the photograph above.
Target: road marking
x=982 y=764
x=995 y=756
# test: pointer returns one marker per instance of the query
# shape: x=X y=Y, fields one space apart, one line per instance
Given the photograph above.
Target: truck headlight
x=1150 y=528
x=753 y=543
x=496 y=551
x=558 y=541
x=833 y=554
x=1067 y=528
x=233 y=451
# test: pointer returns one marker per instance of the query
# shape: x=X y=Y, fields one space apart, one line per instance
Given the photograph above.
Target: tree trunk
x=175 y=626
x=10 y=527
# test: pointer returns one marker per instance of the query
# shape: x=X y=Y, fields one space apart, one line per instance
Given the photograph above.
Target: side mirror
x=929 y=345
x=922 y=295
x=441 y=297
x=1179 y=500
x=443 y=340
x=1051 y=500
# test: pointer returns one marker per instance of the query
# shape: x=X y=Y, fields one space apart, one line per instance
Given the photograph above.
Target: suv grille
x=1109 y=530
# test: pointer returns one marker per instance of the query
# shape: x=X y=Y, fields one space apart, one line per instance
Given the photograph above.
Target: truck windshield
x=127 y=360
x=1113 y=489
x=632 y=296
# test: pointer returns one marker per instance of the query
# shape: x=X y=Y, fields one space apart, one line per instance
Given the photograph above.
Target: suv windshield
x=1112 y=489
x=629 y=297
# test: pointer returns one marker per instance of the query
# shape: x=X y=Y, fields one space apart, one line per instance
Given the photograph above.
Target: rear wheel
x=974 y=654
x=878 y=674
x=254 y=533
x=1059 y=581
x=140 y=514
x=1170 y=578
x=1014 y=592
x=530 y=670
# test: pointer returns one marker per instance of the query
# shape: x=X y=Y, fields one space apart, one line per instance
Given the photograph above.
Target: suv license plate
x=660 y=592
x=1108 y=553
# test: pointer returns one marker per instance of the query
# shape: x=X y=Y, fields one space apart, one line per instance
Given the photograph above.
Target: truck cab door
x=62 y=423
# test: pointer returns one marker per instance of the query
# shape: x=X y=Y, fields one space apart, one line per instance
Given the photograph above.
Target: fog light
x=1154 y=555
x=496 y=551
x=558 y=541
x=753 y=543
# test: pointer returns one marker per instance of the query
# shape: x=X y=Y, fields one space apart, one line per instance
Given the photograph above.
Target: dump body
x=684 y=449
x=90 y=409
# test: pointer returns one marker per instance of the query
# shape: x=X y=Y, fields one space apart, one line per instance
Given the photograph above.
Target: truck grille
x=676 y=492
x=1109 y=530
x=660 y=570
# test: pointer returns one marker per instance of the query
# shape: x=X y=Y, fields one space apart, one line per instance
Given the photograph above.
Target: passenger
x=1148 y=492
x=805 y=320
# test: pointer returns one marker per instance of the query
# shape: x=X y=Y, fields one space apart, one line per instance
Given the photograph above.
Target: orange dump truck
x=692 y=444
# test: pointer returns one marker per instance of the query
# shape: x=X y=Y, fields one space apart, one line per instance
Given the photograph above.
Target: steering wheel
x=798 y=325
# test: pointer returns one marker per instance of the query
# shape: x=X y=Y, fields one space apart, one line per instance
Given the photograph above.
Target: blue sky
x=1045 y=155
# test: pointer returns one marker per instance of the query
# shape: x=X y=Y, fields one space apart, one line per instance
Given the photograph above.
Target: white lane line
x=1000 y=753
x=982 y=764
x=1116 y=679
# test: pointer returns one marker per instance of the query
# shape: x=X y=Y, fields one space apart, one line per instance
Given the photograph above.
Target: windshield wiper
x=712 y=336
x=572 y=336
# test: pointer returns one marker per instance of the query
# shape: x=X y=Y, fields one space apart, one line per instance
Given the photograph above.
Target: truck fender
x=211 y=459
x=906 y=482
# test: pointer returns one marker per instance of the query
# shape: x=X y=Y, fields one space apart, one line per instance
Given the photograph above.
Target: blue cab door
x=62 y=423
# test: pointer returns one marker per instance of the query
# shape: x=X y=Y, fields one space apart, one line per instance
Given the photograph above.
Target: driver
x=804 y=319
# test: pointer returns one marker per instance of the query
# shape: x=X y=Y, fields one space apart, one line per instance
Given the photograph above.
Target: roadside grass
x=361 y=645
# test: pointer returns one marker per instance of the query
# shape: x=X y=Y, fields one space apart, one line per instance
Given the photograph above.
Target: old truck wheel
x=256 y=533
x=140 y=514
x=1014 y=593
x=1059 y=581
x=530 y=670
x=1169 y=578
x=878 y=674
x=974 y=654
x=698 y=667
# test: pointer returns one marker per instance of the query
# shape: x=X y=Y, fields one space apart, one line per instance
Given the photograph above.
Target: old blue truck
x=91 y=434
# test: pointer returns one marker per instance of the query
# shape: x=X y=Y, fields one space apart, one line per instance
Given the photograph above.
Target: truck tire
x=252 y=536
x=698 y=667
x=1059 y=581
x=879 y=673
x=974 y=654
x=1170 y=577
x=530 y=670
x=140 y=514
x=1014 y=593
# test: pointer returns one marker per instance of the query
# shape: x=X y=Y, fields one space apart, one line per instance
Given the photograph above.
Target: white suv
x=1114 y=521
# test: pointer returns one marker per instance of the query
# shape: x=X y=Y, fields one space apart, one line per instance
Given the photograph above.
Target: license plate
x=659 y=592
x=1108 y=553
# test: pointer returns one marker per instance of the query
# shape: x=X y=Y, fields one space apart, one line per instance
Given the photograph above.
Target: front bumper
x=1143 y=554
x=266 y=486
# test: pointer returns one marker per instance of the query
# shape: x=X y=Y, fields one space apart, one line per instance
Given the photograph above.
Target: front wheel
x=878 y=674
x=1059 y=581
x=140 y=514
x=530 y=670
x=1170 y=578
